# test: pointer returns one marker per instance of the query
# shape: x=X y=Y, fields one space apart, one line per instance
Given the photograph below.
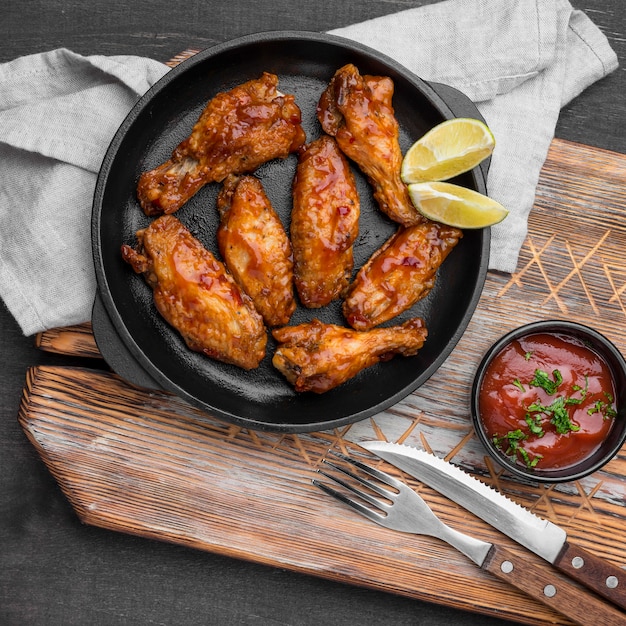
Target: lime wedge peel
x=455 y=205
x=447 y=150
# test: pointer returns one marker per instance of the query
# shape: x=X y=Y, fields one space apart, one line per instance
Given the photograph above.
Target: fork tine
x=382 y=507
x=376 y=502
x=361 y=508
x=359 y=479
x=380 y=476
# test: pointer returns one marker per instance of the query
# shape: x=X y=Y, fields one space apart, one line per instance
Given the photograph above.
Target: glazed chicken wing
x=317 y=357
x=324 y=223
x=255 y=248
x=195 y=294
x=399 y=274
x=357 y=111
x=237 y=132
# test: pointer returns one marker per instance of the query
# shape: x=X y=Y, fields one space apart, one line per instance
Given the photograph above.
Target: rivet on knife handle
x=562 y=595
x=596 y=573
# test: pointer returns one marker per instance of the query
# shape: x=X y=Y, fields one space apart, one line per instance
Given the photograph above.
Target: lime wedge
x=447 y=150
x=455 y=205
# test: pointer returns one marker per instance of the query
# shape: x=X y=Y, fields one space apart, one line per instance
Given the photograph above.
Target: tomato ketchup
x=547 y=401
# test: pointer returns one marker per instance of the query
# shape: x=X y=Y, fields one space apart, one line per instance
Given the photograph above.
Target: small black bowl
x=616 y=436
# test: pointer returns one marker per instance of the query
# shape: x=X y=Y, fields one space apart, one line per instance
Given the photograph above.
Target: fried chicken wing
x=398 y=274
x=255 y=248
x=238 y=131
x=317 y=357
x=357 y=110
x=195 y=294
x=324 y=223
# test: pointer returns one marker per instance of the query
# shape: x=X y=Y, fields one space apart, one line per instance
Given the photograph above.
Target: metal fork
x=395 y=505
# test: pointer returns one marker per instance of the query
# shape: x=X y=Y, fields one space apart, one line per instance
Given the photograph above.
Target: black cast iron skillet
x=140 y=346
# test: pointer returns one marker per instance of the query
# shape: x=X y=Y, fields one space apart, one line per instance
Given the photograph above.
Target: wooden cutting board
x=145 y=462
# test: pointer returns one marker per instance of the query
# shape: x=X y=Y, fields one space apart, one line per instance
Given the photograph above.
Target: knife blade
x=540 y=536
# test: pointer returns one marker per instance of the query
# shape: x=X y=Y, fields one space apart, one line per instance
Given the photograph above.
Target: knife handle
x=603 y=577
x=563 y=596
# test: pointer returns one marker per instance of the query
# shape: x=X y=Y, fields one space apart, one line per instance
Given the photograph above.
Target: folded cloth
x=519 y=60
x=58 y=114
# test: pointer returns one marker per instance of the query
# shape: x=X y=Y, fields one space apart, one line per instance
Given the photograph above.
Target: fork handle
x=563 y=596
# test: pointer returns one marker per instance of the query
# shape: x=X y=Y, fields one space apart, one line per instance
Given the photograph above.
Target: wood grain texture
x=153 y=466
x=149 y=464
x=564 y=596
x=75 y=340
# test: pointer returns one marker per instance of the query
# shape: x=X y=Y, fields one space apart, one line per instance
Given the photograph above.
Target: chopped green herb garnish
x=557 y=412
x=603 y=407
x=536 y=407
x=583 y=390
x=541 y=379
x=528 y=355
x=571 y=400
x=513 y=447
x=596 y=408
x=530 y=462
x=513 y=437
x=537 y=414
x=534 y=424
x=560 y=417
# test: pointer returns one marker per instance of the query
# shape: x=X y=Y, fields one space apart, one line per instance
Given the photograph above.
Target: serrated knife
x=542 y=537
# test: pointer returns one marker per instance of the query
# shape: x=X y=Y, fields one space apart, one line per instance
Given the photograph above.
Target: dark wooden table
x=53 y=569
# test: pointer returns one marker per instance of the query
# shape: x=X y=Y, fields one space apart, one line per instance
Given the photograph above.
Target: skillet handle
x=113 y=350
x=461 y=106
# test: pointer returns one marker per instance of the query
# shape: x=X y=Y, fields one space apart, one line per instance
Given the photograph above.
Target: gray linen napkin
x=519 y=60
x=58 y=114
